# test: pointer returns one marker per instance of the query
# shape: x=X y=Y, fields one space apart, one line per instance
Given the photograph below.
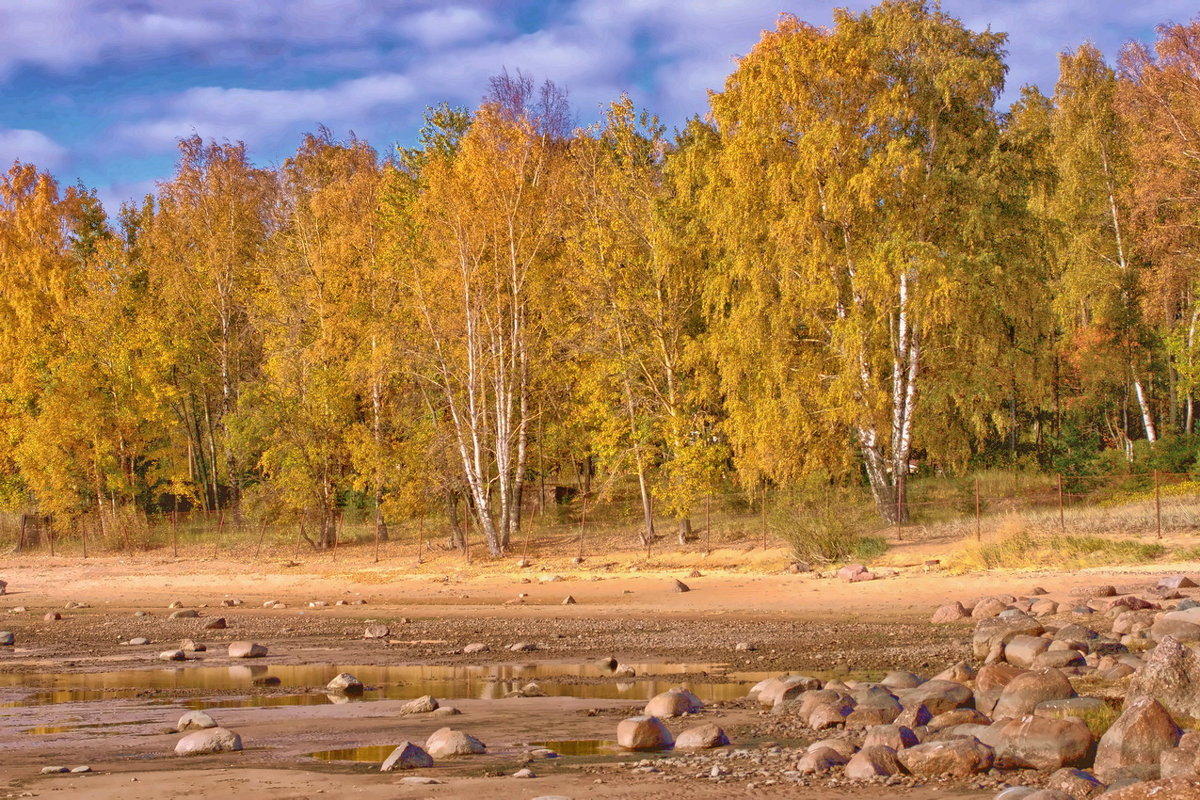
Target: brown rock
x=1131 y=747
x=894 y=737
x=1171 y=675
x=873 y=761
x=957 y=716
x=1024 y=692
x=643 y=733
x=937 y=696
x=701 y=737
x=1043 y=743
x=216 y=624
x=673 y=703
x=988 y=607
x=819 y=761
x=1076 y=783
x=1021 y=650
x=957 y=757
x=949 y=613
x=448 y=742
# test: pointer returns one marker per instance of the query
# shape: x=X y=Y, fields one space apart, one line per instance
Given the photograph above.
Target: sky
x=100 y=91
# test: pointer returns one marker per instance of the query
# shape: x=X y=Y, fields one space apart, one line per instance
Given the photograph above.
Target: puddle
x=224 y=687
x=43 y=730
x=372 y=754
x=580 y=747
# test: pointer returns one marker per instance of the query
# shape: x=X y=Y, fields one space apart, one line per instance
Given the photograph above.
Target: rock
x=1165 y=789
x=873 y=761
x=448 y=742
x=568 y=600
x=1182 y=625
x=949 y=613
x=829 y=715
x=1021 y=650
x=345 y=683
x=894 y=737
x=216 y=624
x=3 y=587
x=208 y=740
x=475 y=647
x=1075 y=783
x=7 y=639
x=1169 y=582
x=913 y=717
x=195 y=720
x=244 y=649
x=997 y=631
x=1182 y=761
x=406 y=756
x=184 y=613
x=1033 y=742
x=424 y=704
x=53 y=616
x=988 y=607
x=673 y=703
x=744 y=647
x=175 y=604
x=172 y=655
x=524 y=647
x=445 y=711
x=1043 y=608
x=1058 y=659
x=643 y=733
x=958 y=757
x=423 y=780
x=80 y=770
x=377 y=631
x=850 y=571
x=937 y=696
x=525 y=772
x=1082 y=707
x=777 y=691
x=1171 y=675
x=138 y=641
x=701 y=737
x=817 y=761
x=54 y=770
x=957 y=716
x=1131 y=747
x=1024 y=692
x=901 y=680
x=680 y=586
x=624 y=671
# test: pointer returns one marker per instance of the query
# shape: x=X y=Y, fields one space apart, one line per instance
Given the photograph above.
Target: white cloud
x=30 y=147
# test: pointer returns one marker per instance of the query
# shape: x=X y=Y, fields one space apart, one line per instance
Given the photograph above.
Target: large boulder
x=673 y=703
x=817 y=761
x=425 y=704
x=701 y=737
x=448 y=742
x=937 y=696
x=990 y=682
x=1171 y=675
x=1022 y=650
x=243 y=649
x=776 y=691
x=956 y=757
x=1043 y=743
x=1132 y=745
x=873 y=761
x=894 y=737
x=952 y=612
x=643 y=733
x=406 y=756
x=998 y=631
x=208 y=740
x=345 y=683
x=1183 y=626
x=901 y=680
x=1022 y=694
x=195 y=721
x=988 y=607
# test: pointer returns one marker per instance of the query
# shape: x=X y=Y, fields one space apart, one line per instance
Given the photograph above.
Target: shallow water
x=580 y=747
x=226 y=686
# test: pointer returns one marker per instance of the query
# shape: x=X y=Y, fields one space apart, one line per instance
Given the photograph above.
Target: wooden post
x=899 y=514
x=582 y=522
x=175 y=529
x=1062 y=519
x=421 y=539
x=764 y=516
x=50 y=535
x=83 y=536
x=262 y=531
x=220 y=530
x=376 y=527
x=708 y=519
x=978 y=522
x=1157 y=506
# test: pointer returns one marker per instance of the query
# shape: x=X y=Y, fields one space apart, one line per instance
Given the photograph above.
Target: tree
x=851 y=192
x=488 y=214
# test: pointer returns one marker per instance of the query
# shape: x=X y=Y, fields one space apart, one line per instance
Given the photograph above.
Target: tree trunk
x=685 y=530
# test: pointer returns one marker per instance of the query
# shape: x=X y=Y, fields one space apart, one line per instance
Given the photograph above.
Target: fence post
x=899 y=514
x=1157 y=506
x=708 y=519
x=582 y=522
x=83 y=536
x=978 y=523
x=175 y=529
x=420 y=539
x=220 y=529
x=1062 y=520
x=764 y=516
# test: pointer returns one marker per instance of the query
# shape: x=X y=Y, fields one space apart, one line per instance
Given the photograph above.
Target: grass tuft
x=1024 y=548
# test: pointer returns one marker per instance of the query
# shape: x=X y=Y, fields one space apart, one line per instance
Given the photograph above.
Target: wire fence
x=579 y=526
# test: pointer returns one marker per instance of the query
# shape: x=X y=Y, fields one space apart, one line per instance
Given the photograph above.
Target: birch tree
x=850 y=193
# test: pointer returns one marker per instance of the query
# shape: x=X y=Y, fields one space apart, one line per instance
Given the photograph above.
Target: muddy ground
x=796 y=622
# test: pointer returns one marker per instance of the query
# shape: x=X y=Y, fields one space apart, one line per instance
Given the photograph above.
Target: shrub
x=830 y=529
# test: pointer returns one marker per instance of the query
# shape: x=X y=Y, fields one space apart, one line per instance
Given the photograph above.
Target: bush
x=830 y=529
x=1022 y=548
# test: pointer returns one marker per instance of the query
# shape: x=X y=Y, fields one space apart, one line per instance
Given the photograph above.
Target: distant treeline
x=854 y=266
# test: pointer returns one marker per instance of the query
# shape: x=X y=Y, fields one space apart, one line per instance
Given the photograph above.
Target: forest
x=854 y=268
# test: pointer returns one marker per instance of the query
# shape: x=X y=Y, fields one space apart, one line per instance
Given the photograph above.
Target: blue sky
x=100 y=90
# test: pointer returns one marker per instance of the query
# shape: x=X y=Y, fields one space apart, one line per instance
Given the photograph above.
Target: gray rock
x=1132 y=746
x=936 y=695
x=7 y=639
x=80 y=770
x=424 y=704
x=215 y=624
x=673 y=703
x=377 y=631
x=209 y=740
x=1022 y=694
x=475 y=647
x=345 y=683
x=958 y=757
x=1171 y=675
x=244 y=649
x=643 y=733
x=172 y=655
x=406 y=756
x=184 y=613
x=873 y=761
x=701 y=737
x=524 y=773
x=194 y=721
x=446 y=742
x=1033 y=742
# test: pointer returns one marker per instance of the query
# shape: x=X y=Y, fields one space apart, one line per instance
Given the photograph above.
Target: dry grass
x=1021 y=545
